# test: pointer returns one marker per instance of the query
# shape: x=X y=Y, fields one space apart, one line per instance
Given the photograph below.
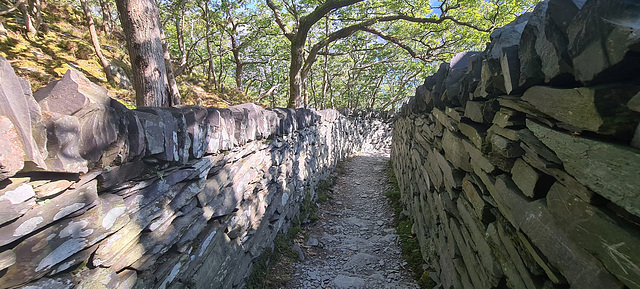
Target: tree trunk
x=28 y=23
x=238 y=72
x=3 y=31
x=221 y=74
x=210 y=71
x=313 y=89
x=96 y=43
x=296 y=79
x=235 y=51
x=333 y=105
x=35 y=8
x=325 y=69
x=141 y=24
x=374 y=94
x=174 y=93
x=107 y=23
x=181 y=45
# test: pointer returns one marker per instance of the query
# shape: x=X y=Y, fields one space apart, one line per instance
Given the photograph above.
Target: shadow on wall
x=162 y=198
x=519 y=164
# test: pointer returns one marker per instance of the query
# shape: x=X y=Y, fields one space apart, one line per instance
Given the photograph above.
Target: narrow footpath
x=353 y=243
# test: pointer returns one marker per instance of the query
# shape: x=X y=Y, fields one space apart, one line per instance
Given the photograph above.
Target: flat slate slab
x=608 y=169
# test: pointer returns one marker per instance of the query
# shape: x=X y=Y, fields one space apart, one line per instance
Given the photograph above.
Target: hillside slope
x=64 y=43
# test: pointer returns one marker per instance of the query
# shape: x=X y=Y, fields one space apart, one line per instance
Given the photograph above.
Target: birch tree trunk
x=174 y=93
x=107 y=23
x=96 y=43
x=181 y=44
x=28 y=22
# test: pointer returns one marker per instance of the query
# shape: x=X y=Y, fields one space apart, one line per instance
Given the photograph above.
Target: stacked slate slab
x=523 y=170
x=95 y=195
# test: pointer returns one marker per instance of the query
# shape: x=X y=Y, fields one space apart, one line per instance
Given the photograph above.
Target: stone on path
x=348 y=282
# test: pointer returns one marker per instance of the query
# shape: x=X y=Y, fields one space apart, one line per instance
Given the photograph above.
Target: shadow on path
x=354 y=244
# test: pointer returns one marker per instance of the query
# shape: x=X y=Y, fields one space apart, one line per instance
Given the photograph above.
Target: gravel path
x=353 y=244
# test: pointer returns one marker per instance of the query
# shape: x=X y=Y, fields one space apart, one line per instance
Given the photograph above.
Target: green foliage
x=324 y=189
x=225 y=40
x=367 y=71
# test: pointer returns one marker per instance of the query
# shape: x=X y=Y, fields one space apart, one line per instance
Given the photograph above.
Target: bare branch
x=15 y=6
x=269 y=92
x=395 y=41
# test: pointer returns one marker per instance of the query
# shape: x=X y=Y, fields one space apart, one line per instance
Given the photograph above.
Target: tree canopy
x=317 y=53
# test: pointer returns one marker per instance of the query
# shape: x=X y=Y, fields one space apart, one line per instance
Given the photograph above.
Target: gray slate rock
x=591 y=33
x=12 y=153
x=46 y=213
x=38 y=254
x=582 y=221
x=70 y=94
x=98 y=129
x=64 y=144
x=510 y=65
x=506 y=36
x=348 y=282
x=161 y=133
x=197 y=129
x=16 y=199
x=530 y=62
x=52 y=188
x=52 y=283
x=601 y=109
x=608 y=169
x=89 y=121
x=552 y=43
x=7 y=258
x=17 y=104
x=535 y=220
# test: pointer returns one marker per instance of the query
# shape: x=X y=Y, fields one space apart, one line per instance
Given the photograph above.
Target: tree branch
x=276 y=13
x=253 y=62
x=395 y=41
x=308 y=20
x=339 y=34
x=269 y=92
x=15 y=6
x=374 y=64
x=366 y=26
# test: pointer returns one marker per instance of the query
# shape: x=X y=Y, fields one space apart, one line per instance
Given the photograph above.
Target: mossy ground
x=408 y=241
x=64 y=43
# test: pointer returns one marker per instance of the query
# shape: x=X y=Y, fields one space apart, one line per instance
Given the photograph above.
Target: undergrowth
x=408 y=241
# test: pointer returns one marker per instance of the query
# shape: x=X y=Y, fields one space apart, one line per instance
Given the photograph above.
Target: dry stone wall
x=95 y=195
x=520 y=165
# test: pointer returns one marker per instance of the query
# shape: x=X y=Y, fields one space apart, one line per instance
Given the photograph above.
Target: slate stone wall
x=520 y=165
x=95 y=195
